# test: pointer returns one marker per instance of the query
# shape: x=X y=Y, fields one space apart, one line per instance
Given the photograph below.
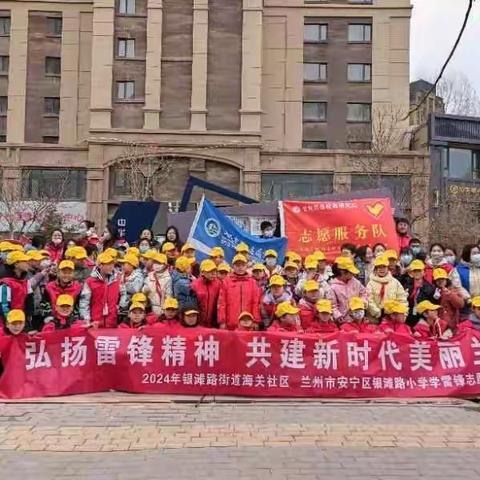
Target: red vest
x=55 y=290
x=19 y=292
x=104 y=301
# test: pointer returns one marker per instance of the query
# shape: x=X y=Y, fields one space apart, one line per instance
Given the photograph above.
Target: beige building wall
x=268 y=83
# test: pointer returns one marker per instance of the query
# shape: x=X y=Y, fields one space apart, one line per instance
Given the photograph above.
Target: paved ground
x=264 y=440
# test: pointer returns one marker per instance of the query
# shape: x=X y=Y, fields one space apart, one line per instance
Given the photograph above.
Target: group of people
x=96 y=281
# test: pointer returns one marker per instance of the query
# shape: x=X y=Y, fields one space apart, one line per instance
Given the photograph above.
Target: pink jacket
x=342 y=292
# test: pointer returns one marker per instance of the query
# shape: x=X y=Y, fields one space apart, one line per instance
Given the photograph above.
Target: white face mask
x=268 y=233
x=271 y=262
x=45 y=263
x=56 y=241
x=159 y=267
x=450 y=259
x=358 y=314
x=475 y=259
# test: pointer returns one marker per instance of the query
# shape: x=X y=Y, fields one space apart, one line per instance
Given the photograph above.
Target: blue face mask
x=406 y=259
x=416 y=250
x=143 y=248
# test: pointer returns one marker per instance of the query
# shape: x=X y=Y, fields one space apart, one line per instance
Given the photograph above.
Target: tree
x=19 y=215
x=144 y=167
x=459 y=95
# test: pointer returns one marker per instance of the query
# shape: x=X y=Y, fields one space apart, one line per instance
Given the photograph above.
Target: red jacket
x=424 y=331
x=403 y=241
x=308 y=313
x=53 y=290
x=238 y=294
x=452 y=302
x=353 y=327
x=388 y=326
x=99 y=300
x=18 y=291
x=276 y=326
x=322 y=327
x=55 y=251
x=428 y=275
x=207 y=294
x=164 y=323
x=60 y=323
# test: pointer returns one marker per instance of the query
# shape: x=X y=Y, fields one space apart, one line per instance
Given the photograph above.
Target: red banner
x=217 y=362
x=326 y=226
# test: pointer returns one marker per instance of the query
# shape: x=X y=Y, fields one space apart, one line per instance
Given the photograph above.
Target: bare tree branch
x=459 y=95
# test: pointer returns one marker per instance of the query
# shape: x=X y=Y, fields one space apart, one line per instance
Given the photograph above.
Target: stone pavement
x=265 y=440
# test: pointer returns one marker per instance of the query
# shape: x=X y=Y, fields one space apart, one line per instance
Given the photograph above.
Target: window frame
x=306 y=184
x=323 y=120
x=474 y=165
x=4 y=59
x=320 y=25
x=324 y=142
x=124 y=98
x=7 y=20
x=52 y=100
x=349 y=120
x=52 y=22
x=319 y=79
x=50 y=136
x=120 y=41
x=369 y=25
x=126 y=11
x=56 y=60
x=364 y=69
x=4 y=101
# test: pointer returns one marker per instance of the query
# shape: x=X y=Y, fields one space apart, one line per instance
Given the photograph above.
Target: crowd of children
x=92 y=282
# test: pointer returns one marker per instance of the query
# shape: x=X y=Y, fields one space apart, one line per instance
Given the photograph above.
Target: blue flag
x=212 y=228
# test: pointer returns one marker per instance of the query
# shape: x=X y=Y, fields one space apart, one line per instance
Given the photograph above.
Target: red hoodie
x=55 y=251
x=207 y=294
x=389 y=326
x=238 y=294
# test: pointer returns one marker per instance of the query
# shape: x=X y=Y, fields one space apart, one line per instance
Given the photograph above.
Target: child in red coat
x=307 y=305
x=395 y=317
x=431 y=325
x=171 y=314
x=136 y=317
x=246 y=322
x=355 y=320
x=287 y=319
x=63 y=315
x=323 y=321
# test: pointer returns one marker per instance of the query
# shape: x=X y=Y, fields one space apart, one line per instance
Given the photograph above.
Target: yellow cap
x=217 y=252
x=131 y=259
x=187 y=246
x=311 y=258
x=137 y=305
x=191 y=312
x=324 y=306
x=284 y=308
x=258 y=266
x=208 y=266
x=381 y=261
x=65 y=300
x=319 y=255
x=476 y=302
x=139 y=297
x=6 y=246
x=171 y=303
x=182 y=264
x=66 y=264
x=239 y=258
x=426 y=305
x=270 y=253
x=346 y=263
x=35 y=255
x=15 y=316
x=133 y=251
x=440 y=273
x=311 y=265
x=393 y=306
x=246 y=314
x=160 y=258
x=168 y=246
x=356 y=303
x=416 y=265
x=17 y=256
x=310 y=286
x=391 y=254
x=45 y=253
x=277 y=281
x=149 y=254
x=105 y=258
x=224 y=267
x=112 y=252
x=192 y=260
x=294 y=257
x=242 y=247
x=78 y=253
x=291 y=264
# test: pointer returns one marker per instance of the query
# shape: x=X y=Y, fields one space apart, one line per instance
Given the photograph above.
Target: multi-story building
x=270 y=98
x=424 y=107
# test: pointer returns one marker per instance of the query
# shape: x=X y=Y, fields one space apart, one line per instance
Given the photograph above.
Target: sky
x=434 y=29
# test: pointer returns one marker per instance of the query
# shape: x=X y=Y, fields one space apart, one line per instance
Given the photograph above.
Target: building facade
x=269 y=98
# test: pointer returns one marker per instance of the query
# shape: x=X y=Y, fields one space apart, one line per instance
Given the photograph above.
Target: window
x=315 y=144
x=359 y=112
x=55 y=25
x=3 y=138
x=64 y=184
x=314 y=111
x=50 y=139
x=4 y=63
x=53 y=66
x=360 y=1
x=120 y=182
x=125 y=90
x=359 y=33
x=315 y=72
x=359 y=72
x=3 y=105
x=4 y=25
x=126 y=47
x=315 y=33
x=279 y=186
x=463 y=164
x=126 y=7
x=51 y=106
